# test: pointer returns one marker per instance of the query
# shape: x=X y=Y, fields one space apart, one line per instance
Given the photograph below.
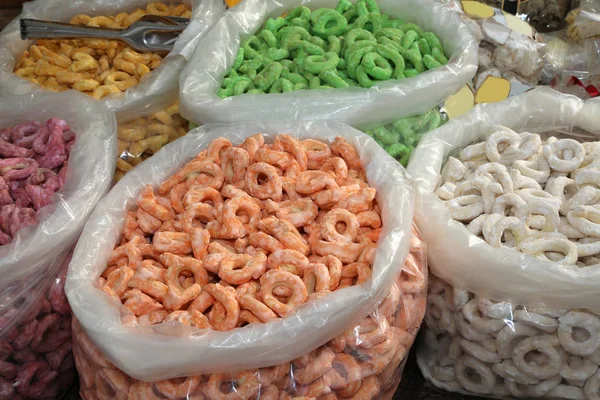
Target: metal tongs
x=151 y=33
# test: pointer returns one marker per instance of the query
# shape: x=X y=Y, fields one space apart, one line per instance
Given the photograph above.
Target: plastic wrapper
x=201 y=80
x=502 y=323
x=140 y=138
x=365 y=362
x=35 y=338
x=156 y=91
x=88 y=175
x=163 y=351
x=510 y=49
x=400 y=137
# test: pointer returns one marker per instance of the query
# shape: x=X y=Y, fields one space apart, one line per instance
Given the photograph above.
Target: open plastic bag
x=156 y=91
x=500 y=322
x=35 y=337
x=161 y=351
x=366 y=361
x=202 y=78
x=35 y=248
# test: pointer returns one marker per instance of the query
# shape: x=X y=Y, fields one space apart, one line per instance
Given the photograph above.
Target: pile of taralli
x=251 y=208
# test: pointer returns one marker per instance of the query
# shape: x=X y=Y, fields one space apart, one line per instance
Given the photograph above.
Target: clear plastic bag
x=156 y=91
x=91 y=164
x=35 y=338
x=163 y=351
x=500 y=322
x=542 y=15
x=138 y=139
x=366 y=361
x=202 y=78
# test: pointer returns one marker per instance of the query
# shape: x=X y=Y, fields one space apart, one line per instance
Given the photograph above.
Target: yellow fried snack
x=142 y=137
x=96 y=67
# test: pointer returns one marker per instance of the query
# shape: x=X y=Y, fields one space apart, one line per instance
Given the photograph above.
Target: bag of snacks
x=365 y=362
x=543 y=15
x=130 y=83
x=140 y=138
x=35 y=336
x=56 y=158
x=507 y=209
x=355 y=62
x=146 y=332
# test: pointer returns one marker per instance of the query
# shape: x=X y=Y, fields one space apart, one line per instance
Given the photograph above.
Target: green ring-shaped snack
x=295 y=78
x=289 y=64
x=300 y=60
x=241 y=85
x=363 y=78
x=223 y=93
x=410 y=72
x=430 y=62
x=377 y=66
x=274 y=25
x=239 y=59
x=269 y=38
x=371 y=20
x=354 y=59
x=392 y=33
x=324 y=87
x=411 y=27
x=414 y=57
x=282 y=85
x=403 y=126
x=319 y=42
x=351 y=15
x=248 y=65
x=355 y=35
x=343 y=74
x=343 y=6
x=323 y=25
x=290 y=33
x=439 y=56
x=301 y=12
x=253 y=48
x=333 y=79
x=318 y=64
x=334 y=44
x=267 y=77
x=393 y=23
x=255 y=91
x=433 y=40
x=316 y=14
x=435 y=121
x=364 y=7
x=424 y=46
x=387 y=42
x=398 y=150
x=277 y=54
x=227 y=82
x=385 y=136
x=351 y=82
x=394 y=57
x=300 y=86
x=308 y=47
x=314 y=82
x=359 y=44
x=342 y=64
x=409 y=38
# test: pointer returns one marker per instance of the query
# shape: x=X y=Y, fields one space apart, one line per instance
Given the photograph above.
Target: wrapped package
x=35 y=336
x=201 y=81
x=138 y=139
x=511 y=315
x=166 y=350
x=365 y=362
x=542 y=15
x=156 y=90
